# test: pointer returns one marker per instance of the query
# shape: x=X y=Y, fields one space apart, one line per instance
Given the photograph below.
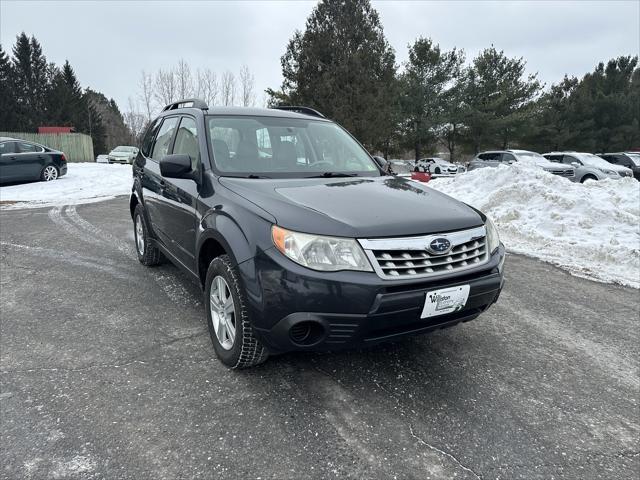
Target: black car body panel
x=23 y=161
x=335 y=206
x=192 y=220
x=623 y=159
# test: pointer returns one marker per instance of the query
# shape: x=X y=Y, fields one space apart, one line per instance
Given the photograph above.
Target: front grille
x=563 y=173
x=408 y=257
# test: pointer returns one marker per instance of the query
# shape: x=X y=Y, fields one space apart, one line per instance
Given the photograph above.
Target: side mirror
x=575 y=164
x=176 y=166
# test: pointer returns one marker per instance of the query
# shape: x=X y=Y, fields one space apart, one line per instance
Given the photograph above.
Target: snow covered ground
x=83 y=183
x=591 y=229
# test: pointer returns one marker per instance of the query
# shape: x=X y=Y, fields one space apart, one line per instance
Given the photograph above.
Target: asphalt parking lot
x=107 y=371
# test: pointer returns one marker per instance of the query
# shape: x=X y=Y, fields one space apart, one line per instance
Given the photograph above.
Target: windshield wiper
x=334 y=175
x=257 y=176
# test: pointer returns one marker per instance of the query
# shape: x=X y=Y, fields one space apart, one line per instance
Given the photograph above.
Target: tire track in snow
x=55 y=215
x=168 y=283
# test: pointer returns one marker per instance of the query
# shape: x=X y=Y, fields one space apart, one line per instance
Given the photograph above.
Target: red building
x=56 y=130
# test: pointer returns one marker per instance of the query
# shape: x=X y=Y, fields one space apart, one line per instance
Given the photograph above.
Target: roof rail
x=187 y=103
x=298 y=109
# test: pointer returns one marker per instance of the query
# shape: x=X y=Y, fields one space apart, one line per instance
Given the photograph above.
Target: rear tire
x=437 y=171
x=49 y=173
x=588 y=177
x=148 y=254
x=244 y=350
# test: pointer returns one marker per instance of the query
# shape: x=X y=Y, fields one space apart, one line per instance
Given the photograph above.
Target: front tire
x=49 y=173
x=148 y=254
x=228 y=319
x=588 y=177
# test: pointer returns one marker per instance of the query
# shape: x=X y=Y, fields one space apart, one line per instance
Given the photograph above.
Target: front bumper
x=118 y=160
x=352 y=309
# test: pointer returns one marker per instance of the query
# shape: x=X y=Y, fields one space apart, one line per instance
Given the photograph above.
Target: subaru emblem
x=439 y=246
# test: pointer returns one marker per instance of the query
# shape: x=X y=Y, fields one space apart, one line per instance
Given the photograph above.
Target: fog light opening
x=306 y=333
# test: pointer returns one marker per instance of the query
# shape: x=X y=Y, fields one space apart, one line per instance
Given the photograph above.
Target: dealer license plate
x=445 y=300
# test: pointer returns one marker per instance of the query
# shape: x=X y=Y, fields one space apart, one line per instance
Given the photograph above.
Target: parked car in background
x=24 y=161
x=122 y=154
x=508 y=157
x=402 y=168
x=326 y=253
x=587 y=166
x=102 y=159
x=437 y=166
x=630 y=160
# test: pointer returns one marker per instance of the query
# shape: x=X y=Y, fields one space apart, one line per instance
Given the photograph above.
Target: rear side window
x=489 y=156
x=147 y=141
x=163 y=140
x=187 y=141
x=569 y=160
x=7 y=147
x=507 y=157
x=29 y=148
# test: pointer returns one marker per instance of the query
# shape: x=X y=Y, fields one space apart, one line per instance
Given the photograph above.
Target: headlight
x=493 y=239
x=319 y=252
x=607 y=172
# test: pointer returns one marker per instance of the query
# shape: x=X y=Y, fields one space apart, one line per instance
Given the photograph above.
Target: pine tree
x=7 y=96
x=342 y=65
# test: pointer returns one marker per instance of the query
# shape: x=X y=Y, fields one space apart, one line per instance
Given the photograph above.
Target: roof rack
x=299 y=109
x=187 y=103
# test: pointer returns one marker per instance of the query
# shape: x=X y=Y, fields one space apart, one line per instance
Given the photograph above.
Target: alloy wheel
x=50 y=173
x=223 y=314
x=139 y=235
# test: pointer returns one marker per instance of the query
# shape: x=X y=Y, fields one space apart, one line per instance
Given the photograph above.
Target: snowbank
x=83 y=183
x=590 y=229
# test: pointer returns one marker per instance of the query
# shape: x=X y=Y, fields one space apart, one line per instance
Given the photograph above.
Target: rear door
x=32 y=159
x=179 y=196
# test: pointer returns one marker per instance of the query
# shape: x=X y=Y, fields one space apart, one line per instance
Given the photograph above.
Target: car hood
x=356 y=207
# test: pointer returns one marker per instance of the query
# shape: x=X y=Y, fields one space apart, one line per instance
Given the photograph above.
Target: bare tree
x=207 y=86
x=228 y=88
x=146 y=94
x=184 y=80
x=165 y=89
x=247 y=82
x=134 y=120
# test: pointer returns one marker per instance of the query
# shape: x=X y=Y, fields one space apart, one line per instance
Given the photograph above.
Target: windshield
x=286 y=148
x=124 y=149
x=594 y=160
x=635 y=158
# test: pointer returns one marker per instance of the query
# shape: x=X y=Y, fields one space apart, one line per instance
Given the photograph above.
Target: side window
x=187 y=141
x=624 y=161
x=163 y=140
x=610 y=158
x=554 y=158
x=24 y=147
x=147 y=141
x=507 y=157
x=568 y=159
x=7 y=147
x=489 y=156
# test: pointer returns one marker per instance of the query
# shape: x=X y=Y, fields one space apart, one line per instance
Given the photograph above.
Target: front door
x=179 y=197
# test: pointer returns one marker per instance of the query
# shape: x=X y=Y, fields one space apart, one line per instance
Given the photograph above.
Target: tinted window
x=7 y=147
x=507 y=157
x=29 y=148
x=568 y=159
x=286 y=147
x=187 y=141
x=554 y=158
x=147 y=141
x=489 y=156
x=163 y=140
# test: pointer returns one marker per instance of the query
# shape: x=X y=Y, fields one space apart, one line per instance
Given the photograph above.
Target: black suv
x=626 y=159
x=298 y=238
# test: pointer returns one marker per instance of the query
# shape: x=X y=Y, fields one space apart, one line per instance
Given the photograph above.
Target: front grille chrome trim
x=407 y=258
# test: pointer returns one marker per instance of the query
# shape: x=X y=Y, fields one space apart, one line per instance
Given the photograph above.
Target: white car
x=508 y=157
x=122 y=154
x=102 y=159
x=438 y=166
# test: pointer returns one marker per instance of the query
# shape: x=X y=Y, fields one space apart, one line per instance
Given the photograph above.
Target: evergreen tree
x=428 y=75
x=7 y=98
x=500 y=99
x=343 y=66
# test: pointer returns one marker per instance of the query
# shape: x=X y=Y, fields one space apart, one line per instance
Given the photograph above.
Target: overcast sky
x=108 y=43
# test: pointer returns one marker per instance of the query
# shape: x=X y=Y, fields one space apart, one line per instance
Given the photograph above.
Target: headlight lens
x=317 y=252
x=493 y=239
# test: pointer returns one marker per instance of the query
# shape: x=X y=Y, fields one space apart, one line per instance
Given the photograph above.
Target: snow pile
x=83 y=183
x=590 y=229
